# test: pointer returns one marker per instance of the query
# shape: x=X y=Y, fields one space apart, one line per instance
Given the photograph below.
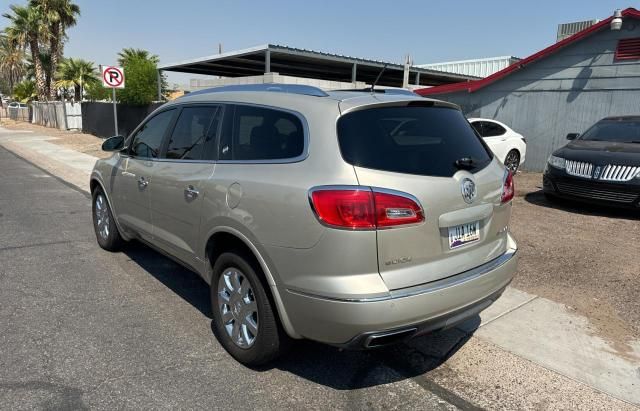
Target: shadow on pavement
x=319 y=363
x=347 y=370
x=538 y=198
x=185 y=283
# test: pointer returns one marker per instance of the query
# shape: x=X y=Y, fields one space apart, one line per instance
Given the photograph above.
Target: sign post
x=113 y=78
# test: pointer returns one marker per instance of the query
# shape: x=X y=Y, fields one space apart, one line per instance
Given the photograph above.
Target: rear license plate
x=464 y=234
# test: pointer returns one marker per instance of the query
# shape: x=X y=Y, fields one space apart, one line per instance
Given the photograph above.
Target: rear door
x=176 y=196
x=414 y=149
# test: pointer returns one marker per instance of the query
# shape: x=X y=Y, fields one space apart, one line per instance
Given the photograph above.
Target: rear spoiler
x=398 y=103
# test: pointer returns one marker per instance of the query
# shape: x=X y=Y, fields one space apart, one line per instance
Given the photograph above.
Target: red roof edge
x=472 y=86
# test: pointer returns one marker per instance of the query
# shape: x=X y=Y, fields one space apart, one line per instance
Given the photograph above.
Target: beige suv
x=358 y=219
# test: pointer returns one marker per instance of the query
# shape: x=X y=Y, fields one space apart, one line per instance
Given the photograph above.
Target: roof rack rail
x=274 y=87
x=391 y=91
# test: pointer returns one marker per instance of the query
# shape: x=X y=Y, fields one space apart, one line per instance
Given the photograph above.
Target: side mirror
x=573 y=136
x=115 y=143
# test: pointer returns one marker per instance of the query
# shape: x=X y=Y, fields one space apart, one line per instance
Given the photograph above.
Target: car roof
x=347 y=99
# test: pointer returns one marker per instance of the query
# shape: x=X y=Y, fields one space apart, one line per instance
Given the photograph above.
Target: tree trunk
x=41 y=84
x=56 y=53
x=76 y=92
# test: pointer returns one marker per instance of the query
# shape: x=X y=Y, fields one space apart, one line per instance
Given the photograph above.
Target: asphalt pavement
x=84 y=328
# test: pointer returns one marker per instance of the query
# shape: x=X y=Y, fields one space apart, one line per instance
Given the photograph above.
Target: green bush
x=141 y=82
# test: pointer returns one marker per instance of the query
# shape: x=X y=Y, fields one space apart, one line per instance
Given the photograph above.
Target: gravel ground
x=580 y=255
x=75 y=140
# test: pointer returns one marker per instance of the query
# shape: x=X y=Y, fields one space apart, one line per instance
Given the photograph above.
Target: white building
x=476 y=67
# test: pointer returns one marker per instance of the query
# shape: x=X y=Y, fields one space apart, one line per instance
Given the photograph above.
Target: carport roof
x=297 y=62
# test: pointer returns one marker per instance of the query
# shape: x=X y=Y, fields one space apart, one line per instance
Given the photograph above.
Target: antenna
x=378 y=78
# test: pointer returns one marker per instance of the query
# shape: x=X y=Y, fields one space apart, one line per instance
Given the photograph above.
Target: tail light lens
x=508 y=188
x=393 y=210
x=364 y=209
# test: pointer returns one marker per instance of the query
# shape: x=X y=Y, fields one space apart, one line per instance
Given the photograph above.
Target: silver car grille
x=619 y=173
x=579 y=168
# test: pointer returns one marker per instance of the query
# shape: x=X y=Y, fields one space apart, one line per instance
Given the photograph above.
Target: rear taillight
x=362 y=208
x=396 y=209
x=508 y=188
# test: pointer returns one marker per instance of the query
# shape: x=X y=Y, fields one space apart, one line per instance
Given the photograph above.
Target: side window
x=147 y=141
x=190 y=135
x=262 y=134
x=491 y=129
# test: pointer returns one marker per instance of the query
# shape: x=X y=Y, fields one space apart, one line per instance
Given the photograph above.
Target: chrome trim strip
x=427 y=288
x=181 y=104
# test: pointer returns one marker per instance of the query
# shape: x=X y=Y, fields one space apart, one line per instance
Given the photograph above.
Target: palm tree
x=45 y=60
x=75 y=74
x=12 y=62
x=26 y=29
x=25 y=91
x=58 y=16
x=130 y=53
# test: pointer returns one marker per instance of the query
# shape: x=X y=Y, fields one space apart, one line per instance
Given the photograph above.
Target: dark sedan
x=600 y=166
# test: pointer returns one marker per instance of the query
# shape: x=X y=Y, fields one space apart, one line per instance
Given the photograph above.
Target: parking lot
x=83 y=328
x=580 y=255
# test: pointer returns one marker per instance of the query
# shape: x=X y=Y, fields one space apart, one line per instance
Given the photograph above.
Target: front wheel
x=104 y=224
x=244 y=319
x=512 y=160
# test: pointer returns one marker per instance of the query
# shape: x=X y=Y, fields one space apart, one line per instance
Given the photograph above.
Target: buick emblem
x=469 y=191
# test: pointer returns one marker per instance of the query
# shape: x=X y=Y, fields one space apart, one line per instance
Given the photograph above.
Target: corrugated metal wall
x=563 y=93
x=477 y=68
x=569 y=29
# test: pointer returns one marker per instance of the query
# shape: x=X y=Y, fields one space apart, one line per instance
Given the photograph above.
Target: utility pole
x=407 y=64
x=219 y=52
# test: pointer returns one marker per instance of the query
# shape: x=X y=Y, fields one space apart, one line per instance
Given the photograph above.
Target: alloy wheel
x=238 y=308
x=102 y=216
x=512 y=161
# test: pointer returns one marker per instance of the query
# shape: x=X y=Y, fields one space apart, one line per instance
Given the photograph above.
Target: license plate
x=464 y=234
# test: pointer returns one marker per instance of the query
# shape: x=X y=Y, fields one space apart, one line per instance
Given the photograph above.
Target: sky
x=430 y=31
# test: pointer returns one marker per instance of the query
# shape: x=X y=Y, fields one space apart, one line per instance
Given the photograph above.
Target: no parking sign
x=112 y=77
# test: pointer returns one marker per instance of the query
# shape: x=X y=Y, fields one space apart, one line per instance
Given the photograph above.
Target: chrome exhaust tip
x=387 y=338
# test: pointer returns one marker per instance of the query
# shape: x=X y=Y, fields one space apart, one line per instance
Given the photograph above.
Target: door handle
x=142 y=183
x=191 y=192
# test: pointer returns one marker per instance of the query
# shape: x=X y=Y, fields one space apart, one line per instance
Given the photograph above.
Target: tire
x=107 y=233
x=244 y=320
x=512 y=160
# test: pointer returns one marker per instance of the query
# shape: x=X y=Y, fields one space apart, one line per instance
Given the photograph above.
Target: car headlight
x=557 y=162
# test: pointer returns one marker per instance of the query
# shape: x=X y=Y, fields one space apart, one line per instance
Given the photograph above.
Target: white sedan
x=509 y=146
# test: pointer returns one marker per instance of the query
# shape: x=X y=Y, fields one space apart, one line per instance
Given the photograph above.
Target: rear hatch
x=430 y=152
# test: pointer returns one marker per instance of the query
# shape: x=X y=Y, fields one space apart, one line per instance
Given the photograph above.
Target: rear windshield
x=621 y=131
x=413 y=140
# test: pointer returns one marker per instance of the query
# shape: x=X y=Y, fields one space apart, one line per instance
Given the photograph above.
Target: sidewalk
x=527 y=349
x=70 y=165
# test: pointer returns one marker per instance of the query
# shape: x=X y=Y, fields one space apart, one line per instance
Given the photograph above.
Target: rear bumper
x=403 y=313
x=625 y=195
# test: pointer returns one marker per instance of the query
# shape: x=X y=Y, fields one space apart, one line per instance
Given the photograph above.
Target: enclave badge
x=468 y=190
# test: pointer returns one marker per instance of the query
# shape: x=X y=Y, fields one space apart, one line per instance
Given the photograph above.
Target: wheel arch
x=228 y=238
x=95 y=183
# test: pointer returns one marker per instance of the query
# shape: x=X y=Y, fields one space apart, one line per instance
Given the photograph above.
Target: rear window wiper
x=465 y=163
